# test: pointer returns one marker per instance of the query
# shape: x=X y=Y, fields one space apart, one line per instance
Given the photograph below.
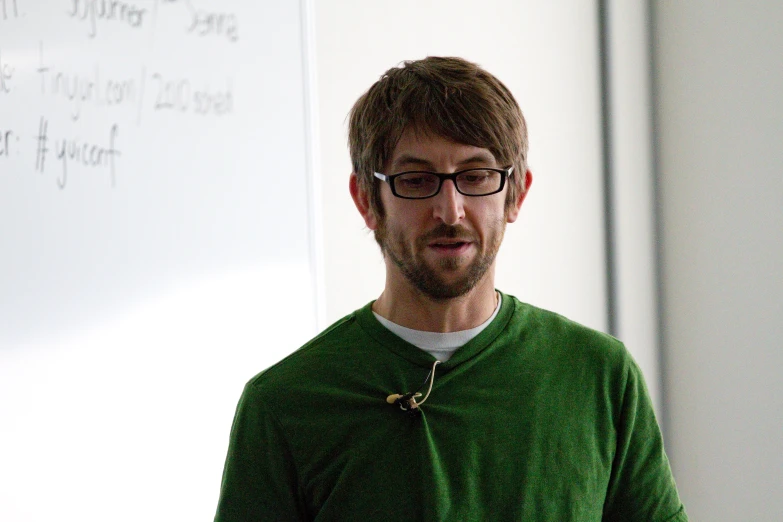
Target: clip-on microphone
x=407 y=401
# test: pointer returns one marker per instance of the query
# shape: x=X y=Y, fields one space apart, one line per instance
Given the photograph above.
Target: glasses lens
x=477 y=182
x=416 y=184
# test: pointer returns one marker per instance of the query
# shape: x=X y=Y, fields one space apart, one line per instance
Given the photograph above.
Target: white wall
x=719 y=81
x=547 y=54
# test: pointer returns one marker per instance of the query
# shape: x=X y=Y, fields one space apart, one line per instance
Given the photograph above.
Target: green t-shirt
x=535 y=419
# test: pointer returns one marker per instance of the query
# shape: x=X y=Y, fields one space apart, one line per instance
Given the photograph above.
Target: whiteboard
x=156 y=244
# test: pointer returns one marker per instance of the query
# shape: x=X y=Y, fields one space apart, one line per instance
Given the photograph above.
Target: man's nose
x=448 y=204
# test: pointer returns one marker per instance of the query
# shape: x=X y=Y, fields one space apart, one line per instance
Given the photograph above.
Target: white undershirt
x=440 y=345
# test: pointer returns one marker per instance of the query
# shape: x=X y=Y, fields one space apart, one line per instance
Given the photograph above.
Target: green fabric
x=535 y=419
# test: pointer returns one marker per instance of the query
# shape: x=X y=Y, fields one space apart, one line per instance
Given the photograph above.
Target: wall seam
x=608 y=167
x=657 y=220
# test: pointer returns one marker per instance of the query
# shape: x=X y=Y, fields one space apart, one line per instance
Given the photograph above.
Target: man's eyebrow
x=410 y=159
x=481 y=157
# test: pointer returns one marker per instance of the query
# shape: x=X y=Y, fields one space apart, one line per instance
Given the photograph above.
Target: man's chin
x=446 y=284
x=451 y=266
x=439 y=277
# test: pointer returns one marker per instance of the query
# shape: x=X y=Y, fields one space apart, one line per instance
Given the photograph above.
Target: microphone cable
x=407 y=401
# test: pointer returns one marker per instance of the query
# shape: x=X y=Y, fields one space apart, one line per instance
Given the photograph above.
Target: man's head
x=447 y=116
x=447 y=97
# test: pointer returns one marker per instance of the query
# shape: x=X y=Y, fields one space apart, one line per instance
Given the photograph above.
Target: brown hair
x=449 y=97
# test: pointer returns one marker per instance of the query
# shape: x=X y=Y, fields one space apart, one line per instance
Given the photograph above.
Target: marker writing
x=6 y=73
x=88 y=155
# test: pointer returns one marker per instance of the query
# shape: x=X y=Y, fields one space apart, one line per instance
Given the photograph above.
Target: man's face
x=444 y=245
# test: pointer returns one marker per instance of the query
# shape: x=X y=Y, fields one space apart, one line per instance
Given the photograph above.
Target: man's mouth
x=450 y=246
x=449 y=240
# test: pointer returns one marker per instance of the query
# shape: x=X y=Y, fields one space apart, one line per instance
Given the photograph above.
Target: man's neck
x=408 y=307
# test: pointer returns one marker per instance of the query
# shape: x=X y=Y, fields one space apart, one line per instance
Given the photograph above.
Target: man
x=527 y=416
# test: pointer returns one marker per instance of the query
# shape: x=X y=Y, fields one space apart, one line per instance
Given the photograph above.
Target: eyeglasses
x=470 y=182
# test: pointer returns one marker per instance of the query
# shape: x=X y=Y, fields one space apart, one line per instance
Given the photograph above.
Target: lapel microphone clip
x=407 y=401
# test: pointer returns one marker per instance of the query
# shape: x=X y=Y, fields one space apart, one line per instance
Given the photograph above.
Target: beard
x=431 y=280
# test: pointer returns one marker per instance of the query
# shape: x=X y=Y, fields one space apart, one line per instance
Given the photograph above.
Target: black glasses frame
x=504 y=174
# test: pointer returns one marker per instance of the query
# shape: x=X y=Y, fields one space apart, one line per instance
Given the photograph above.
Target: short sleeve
x=641 y=486
x=259 y=479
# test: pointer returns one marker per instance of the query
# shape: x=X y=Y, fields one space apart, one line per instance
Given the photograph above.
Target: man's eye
x=477 y=177
x=416 y=180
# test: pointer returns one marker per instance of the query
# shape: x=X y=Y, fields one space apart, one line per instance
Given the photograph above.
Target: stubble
x=433 y=281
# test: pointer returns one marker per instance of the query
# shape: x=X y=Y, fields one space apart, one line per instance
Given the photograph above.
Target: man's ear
x=513 y=211
x=362 y=201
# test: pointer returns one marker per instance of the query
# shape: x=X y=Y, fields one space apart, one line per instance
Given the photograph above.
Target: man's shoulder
x=326 y=351
x=560 y=335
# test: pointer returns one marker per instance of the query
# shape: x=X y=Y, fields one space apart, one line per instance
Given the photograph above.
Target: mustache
x=444 y=231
